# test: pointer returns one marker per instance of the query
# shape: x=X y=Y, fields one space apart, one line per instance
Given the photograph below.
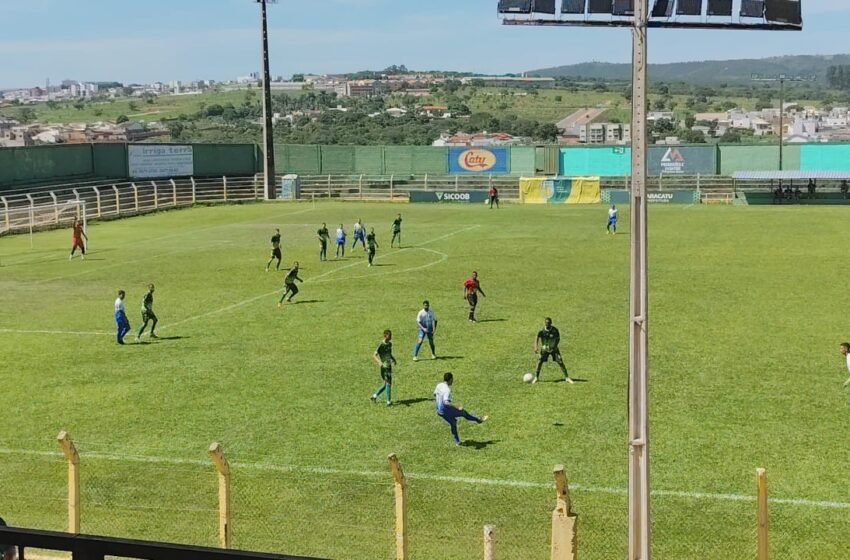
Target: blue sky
x=167 y=40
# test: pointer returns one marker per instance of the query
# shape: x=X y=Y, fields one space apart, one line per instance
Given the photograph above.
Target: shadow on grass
x=562 y=380
x=306 y=301
x=171 y=337
x=449 y=358
x=383 y=264
x=478 y=444
x=492 y=320
x=411 y=402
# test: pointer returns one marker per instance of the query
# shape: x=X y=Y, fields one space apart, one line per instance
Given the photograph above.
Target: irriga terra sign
x=462 y=197
x=478 y=160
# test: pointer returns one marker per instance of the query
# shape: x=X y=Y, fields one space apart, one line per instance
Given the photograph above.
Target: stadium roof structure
x=790 y=175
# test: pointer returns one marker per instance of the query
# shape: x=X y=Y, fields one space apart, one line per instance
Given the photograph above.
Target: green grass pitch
x=748 y=306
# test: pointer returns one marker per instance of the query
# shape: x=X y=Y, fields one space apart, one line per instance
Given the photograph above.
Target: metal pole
x=268 y=130
x=639 y=520
x=781 y=117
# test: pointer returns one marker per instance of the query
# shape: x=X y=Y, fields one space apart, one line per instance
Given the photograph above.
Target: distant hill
x=704 y=72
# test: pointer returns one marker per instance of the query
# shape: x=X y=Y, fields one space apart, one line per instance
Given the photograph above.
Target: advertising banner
x=461 y=197
x=153 y=160
x=559 y=190
x=653 y=197
x=682 y=160
x=479 y=161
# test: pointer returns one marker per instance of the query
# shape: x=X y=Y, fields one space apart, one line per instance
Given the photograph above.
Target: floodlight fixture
x=780 y=15
x=573 y=6
x=752 y=8
x=773 y=15
x=720 y=7
x=784 y=11
x=662 y=9
x=689 y=8
x=624 y=8
x=527 y=6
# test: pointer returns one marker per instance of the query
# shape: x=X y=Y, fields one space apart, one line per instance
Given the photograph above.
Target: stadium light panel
x=752 y=8
x=600 y=7
x=689 y=7
x=624 y=7
x=573 y=6
x=783 y=11
x=514 y=6
x=544 y=6
x=662 y=9
x=527 y=6
x=720 y=7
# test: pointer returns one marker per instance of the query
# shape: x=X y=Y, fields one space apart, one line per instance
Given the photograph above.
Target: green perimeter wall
x=757 y=158
x=394 y=160
x=69 y=162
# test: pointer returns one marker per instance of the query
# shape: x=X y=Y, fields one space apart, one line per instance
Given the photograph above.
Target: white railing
x=114 y=200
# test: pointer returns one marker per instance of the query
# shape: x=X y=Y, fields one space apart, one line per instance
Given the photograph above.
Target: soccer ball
x=528 y=378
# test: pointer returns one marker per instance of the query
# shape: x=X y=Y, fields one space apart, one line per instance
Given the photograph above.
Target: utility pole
x=639 y=521
x=636 y=15
x=781 y=78
x=268 y=126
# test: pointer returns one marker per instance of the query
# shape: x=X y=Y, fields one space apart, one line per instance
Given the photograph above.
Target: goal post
x=28 y=219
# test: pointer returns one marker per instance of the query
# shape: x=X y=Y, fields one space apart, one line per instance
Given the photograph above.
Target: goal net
x=37 y=217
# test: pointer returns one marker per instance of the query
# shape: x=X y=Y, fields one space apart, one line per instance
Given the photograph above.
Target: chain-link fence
x=351 y=515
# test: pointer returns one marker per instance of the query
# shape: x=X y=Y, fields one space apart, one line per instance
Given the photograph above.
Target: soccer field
x=748 y=307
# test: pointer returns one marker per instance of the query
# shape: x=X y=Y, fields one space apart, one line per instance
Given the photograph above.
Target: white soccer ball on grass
x=528 y=378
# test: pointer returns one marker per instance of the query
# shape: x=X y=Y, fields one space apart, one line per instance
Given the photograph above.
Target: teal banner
x=682 y=160
x=653 y=197
x=459 y=197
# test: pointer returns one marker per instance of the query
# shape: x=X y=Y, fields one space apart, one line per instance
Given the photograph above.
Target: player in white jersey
x=359 y=234
x=612 y=220
x=426 y=322
x=845 y=351
x=121 y=317
x=447 y=410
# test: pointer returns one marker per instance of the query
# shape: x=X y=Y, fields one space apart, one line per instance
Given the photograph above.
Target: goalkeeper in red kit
x=77 y=236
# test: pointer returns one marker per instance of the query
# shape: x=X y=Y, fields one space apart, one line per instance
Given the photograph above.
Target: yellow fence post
x=400 y=508
x=70 y=451
x=563 y=520
x=489 y=542
x=224 y=513
x=763 y=527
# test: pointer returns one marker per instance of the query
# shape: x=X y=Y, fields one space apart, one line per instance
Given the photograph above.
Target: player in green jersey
x=289 y=284
x=396 y=231
x=147 y=314
x=383 y=356
x=276 y=254
x=372 y=245
x=323 y=242
x=546 y=343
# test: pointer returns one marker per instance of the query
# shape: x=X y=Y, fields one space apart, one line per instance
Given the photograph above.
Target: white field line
x=51 y=257
x=503 y=483
x=71 y=333
x=125 y=263
x=320 y=276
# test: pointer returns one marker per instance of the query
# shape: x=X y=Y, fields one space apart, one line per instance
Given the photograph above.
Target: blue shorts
x=360 y=236
x=612 y=222
x=424 y=334
x=340 y=241
x=121 y=320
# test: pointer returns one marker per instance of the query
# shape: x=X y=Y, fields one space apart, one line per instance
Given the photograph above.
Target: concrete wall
x=69 y=162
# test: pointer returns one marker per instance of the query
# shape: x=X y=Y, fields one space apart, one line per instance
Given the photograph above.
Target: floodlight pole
x=639 y=521
x=639 y=510
x=268 y=128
